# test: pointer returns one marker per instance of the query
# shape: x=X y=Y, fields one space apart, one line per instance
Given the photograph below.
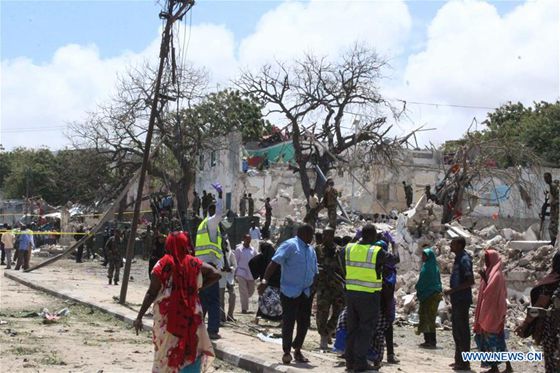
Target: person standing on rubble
x=554 y=202
x=460 y=293
x=243 y=205
x=330 y=201
x=330 y=287
x=546 y=331
x=298 y=261
x=251 y=205
x=114 y=256
x=491 y=310
x=314 y=207
x=408 y=193
x=429 y=293
x=209 y=250
x=364 y=263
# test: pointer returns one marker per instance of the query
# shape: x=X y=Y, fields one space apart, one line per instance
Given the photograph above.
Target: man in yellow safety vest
x=209 y=249
x=364 y=267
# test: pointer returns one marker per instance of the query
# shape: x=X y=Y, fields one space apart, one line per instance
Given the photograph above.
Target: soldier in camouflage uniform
x=330 y=287
x=554 y=206
x=330 y=198
x=114 y=247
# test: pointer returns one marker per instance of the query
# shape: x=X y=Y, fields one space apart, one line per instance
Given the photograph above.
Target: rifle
x=543 y=215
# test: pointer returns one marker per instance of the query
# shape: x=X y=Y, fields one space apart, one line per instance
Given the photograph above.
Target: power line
x=406 y=102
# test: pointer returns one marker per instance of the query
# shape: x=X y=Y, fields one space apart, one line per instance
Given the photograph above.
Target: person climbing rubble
x=330 y=202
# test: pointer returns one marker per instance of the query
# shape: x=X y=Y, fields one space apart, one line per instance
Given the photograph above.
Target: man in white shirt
x=255 y=234
x=8 y=240
x=243 y=254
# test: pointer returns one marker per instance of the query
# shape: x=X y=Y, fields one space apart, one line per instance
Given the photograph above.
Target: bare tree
x=319 y=98
x=476 y=160
x=118 y=128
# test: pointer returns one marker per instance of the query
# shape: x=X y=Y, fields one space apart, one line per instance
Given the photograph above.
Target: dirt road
x=84 y=341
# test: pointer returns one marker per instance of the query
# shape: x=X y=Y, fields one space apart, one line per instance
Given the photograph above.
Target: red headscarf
x=491 y=306
x=180 y=307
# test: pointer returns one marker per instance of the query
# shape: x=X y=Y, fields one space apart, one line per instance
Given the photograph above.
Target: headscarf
x=267 y=250
x=551 y=278
x=389 y=270
x=491 y=306
x=429 y=281
x=180 y=307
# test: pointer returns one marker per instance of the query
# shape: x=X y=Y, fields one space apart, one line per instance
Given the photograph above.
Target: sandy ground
x=83 y=341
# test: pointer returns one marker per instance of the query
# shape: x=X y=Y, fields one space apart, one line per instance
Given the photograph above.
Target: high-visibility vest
x=206 y=249
x=361 y=274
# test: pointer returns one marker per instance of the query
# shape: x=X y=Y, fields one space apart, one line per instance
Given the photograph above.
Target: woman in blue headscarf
x=428 y=291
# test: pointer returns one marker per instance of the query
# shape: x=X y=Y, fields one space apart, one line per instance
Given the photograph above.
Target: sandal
x=298 y=356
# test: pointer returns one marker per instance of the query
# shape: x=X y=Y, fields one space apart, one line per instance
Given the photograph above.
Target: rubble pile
x=521 y=268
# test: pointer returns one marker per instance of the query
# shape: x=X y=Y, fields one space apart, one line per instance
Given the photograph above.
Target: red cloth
x=491 y=306
x=180 y=307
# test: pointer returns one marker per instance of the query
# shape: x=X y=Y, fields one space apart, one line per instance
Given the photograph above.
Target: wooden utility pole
x=176 y=9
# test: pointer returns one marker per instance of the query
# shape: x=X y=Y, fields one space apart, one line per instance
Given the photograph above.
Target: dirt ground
x=84 y=341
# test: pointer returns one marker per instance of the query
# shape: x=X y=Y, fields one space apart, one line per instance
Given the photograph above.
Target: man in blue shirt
x=460 y=293
x=299 y=270
x=26 y=244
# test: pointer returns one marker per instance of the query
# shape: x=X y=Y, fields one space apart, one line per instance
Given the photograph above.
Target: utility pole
x=176 y=9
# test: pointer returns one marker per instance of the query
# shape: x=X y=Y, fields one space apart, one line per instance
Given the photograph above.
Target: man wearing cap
x=209 y=250
x=364 y=263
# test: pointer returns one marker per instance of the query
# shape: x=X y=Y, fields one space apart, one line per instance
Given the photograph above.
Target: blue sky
x=36 y=29
x=61 y=58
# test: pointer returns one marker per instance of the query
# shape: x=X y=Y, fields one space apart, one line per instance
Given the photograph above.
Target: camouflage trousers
x=330 y=302
x=332 y=216
x=114 y=269
x=553 y=226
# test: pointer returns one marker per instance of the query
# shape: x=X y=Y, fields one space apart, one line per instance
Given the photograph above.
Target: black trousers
x=389 y=340
x=362 y=311
x=461 y=329
x=295 y=309
x=80 y=253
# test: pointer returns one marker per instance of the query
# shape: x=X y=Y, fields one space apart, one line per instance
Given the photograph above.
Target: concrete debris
x=525 y=261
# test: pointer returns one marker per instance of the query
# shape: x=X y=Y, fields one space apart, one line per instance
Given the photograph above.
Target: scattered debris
x=50 y=318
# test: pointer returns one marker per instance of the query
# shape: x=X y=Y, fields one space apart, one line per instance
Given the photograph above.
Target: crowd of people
x=353 y=280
